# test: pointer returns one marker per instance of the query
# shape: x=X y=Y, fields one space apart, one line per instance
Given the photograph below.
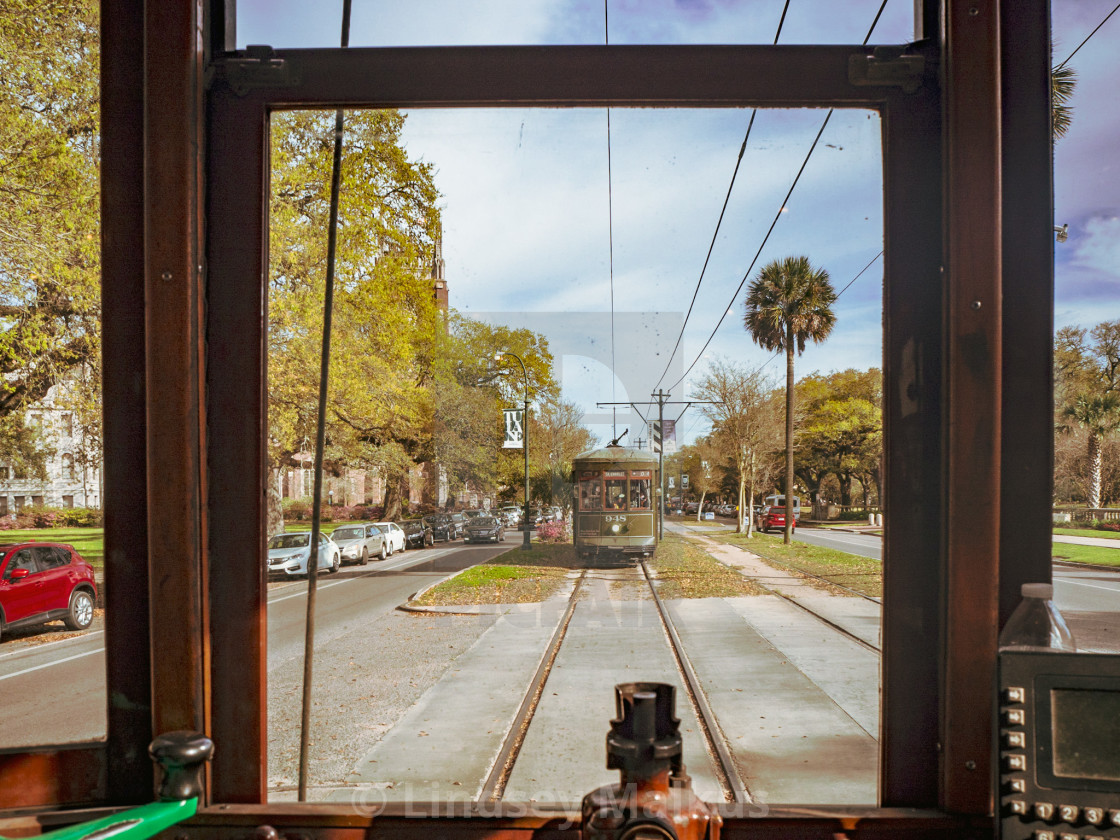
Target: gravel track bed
x=363 y=682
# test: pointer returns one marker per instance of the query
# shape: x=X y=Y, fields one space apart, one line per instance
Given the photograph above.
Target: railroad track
x=716 y=744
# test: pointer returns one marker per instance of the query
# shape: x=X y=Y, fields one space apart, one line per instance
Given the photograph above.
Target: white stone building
x=68 y=483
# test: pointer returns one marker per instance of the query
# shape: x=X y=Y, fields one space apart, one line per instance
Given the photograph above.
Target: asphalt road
x=56 y=688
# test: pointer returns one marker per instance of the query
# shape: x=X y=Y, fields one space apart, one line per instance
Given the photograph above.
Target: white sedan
x=394 y=535
x=288 y=554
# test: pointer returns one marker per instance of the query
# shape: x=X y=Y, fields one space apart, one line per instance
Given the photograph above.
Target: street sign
x=515 y=428
x=671 y=480
x=655 y=435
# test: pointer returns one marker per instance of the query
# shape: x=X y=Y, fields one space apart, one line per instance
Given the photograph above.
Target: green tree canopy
x=1087 y=395
x=49 y=216
x=385 y=324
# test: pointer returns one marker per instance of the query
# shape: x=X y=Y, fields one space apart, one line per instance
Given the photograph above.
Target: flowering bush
x=554 y=532
x=1108 y=526
x=51 y=517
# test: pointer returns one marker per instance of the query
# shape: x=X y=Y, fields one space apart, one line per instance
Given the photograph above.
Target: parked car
x=393 y=535
x=471 y=514
x=485 y=529
x=780 y=501
x=774 y=517
x=511 y=514
x=288 y=554
x=443 y=527
x=692 y=507
x=41 y=582
x=417 y=533
x=458 y=524
x=357 y=543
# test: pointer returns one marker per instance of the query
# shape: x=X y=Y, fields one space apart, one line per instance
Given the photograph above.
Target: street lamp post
x=525 y=546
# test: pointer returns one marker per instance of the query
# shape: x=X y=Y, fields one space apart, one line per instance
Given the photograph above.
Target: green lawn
x=1096 y=554
x=860 y=573
x=90 y=542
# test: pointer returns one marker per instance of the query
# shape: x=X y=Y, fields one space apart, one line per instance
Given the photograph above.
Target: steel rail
x=713 y=735
x=495 y=784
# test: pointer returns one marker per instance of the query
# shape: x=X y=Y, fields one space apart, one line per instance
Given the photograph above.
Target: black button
x=1017 y=807
x=1015 y=762
x=1014 y=717
x=1015 y=740
x=1014 y=694
x=1044 y=811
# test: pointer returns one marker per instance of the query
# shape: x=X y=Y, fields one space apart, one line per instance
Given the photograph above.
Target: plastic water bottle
x=1036 y=623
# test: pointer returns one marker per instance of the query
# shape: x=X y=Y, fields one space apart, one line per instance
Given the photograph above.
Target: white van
x=780 y=501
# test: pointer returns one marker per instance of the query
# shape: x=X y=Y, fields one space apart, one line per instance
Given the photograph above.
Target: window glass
x=590 y=491
x=288 y=23
x=615 y=492
x=476 y=275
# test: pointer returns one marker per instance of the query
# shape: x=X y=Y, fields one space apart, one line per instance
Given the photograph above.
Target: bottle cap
x=1045 y=591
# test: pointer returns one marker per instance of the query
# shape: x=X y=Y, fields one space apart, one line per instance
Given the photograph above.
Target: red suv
x=773 y=516
x=41 y=582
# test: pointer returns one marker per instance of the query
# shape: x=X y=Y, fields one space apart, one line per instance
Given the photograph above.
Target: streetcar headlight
x=614 y=528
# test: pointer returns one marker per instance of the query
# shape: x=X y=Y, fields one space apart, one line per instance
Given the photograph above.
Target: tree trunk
x=391 y=509
x=700 y=510
x=274 y=515
x=1095 y=461
x=789 y=436
x=845 y=481
x=750 y=501
x=741 y=502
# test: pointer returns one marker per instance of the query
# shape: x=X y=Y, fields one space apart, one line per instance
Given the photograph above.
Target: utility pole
x=662 y=398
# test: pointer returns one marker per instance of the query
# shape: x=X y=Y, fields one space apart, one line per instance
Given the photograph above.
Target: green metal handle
x=134 y=824
x=181 y=756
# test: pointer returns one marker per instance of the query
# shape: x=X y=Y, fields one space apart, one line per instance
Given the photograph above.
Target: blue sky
x=533 y=224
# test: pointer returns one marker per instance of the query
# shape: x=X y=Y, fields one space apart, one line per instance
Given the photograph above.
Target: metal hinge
x=254 y=67
x=887 y=66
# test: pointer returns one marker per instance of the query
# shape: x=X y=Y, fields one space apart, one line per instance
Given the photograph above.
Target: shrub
x=82 y=517
x=554 y=532
x=1108 y=526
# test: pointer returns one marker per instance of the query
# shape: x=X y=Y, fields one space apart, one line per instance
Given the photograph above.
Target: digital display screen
x=1085 y=725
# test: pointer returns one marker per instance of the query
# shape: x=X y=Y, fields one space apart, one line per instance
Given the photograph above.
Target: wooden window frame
x=185 y=149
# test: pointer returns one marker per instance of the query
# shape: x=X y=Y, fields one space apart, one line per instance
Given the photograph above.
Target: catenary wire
x=719 y=221
x=610 y=218
x=784 y=203
x=1087 y=37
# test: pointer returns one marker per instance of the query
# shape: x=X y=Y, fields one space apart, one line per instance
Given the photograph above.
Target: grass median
x=516 y=577
x=863 y=574
x=685 y=570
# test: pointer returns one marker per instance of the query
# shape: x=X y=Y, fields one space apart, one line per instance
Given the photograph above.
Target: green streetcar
x=615 y=502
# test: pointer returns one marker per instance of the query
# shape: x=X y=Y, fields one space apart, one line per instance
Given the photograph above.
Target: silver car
x=357 y=543
x=288 y=554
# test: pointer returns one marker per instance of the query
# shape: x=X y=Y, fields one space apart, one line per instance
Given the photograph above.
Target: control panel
x=1059 y=746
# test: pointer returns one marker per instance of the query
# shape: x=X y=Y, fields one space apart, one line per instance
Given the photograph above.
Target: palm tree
x=1063 y=80
x=1100 y=414
x=789 y=303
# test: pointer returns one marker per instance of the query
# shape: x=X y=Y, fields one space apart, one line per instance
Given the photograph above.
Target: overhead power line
x=1087 y=37
x=785 y=201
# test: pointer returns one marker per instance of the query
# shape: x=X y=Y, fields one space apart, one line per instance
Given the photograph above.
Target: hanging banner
x=515 y=428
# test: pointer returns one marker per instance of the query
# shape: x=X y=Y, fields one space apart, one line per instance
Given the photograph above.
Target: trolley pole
x=525 y=545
